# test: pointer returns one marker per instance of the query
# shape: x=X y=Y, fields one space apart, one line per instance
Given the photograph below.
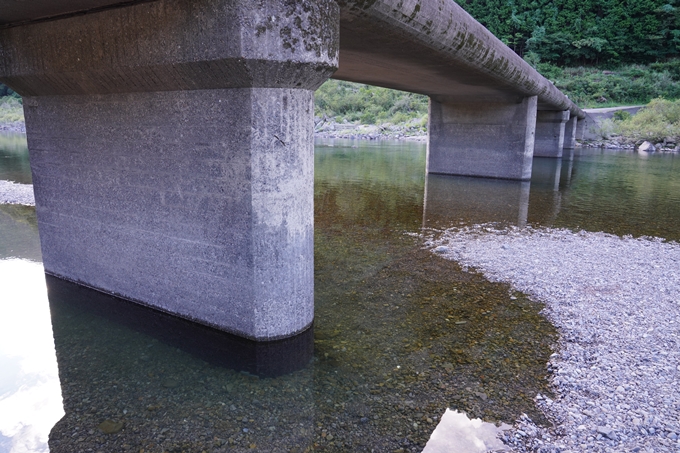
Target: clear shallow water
x=399 y=336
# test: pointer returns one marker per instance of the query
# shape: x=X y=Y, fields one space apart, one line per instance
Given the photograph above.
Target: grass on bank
x=354 y=103
x=657 y=122
x=633 y=84
x=11 y=109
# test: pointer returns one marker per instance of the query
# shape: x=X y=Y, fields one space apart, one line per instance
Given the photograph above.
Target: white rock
x=647 y=147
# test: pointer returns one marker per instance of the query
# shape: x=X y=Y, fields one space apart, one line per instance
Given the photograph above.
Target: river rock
x=110 y=427
x=647 y=147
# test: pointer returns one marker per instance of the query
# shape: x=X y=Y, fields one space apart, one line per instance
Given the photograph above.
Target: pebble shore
x=13 y=193
x=17 y=127
x=616 y=304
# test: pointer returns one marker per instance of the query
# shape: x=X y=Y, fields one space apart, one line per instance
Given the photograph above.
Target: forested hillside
x=583 y=32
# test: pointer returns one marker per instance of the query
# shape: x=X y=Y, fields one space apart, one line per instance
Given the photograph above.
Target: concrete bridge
x=171 y=140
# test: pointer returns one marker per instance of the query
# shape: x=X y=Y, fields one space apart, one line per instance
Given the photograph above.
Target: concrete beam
x=172 y=153
x=14 y=12
x=489 y=140
x=438 y=49
x=570 y=133
x=550 y=133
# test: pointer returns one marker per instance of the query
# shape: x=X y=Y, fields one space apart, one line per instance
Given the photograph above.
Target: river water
x=400 y=334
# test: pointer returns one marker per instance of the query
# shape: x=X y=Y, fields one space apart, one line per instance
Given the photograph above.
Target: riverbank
x=13 y=193
x=14 y=127
x=328 y=128
x=615 y=301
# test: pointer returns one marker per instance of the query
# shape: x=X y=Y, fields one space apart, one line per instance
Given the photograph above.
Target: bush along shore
x=415 y=130
x=11 y=114
x=654 y=128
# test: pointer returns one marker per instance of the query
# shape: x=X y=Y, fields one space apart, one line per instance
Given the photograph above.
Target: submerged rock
x=110 y=427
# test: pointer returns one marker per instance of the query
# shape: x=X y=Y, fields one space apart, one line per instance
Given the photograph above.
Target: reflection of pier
x=453 y=200
x=450 y=199
x=167 y=384
x=268 y=359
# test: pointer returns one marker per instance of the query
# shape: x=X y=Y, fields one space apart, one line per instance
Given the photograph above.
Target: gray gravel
x=616 y=303
x=18 y=126
x=13 y=193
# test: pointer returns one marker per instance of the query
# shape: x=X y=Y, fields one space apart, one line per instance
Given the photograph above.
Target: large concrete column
x=570 y=133
x=482 y=139
x=550 y=133
x=172 y=153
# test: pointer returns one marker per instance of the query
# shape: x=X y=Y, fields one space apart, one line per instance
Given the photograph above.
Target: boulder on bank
x=646 y=147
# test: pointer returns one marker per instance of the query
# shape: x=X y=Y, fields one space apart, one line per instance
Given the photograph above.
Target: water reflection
x=14 y=164
x=456 y=433
x=621 y=192
x=260 y=359
x=19 y=232
x=452 y=200
x=30 y=395
x=120 y=364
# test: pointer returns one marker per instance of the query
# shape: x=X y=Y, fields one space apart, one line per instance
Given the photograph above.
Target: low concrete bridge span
x=483 y=96
x=171 y=140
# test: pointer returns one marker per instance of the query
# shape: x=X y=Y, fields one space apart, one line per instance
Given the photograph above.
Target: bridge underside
x=171 y=140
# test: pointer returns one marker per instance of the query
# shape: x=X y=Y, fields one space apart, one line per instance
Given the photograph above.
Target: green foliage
x=7 y=91
x=622 y=115
x=369 y=105
x=11 y=110
x=578 y=32
x=656 y=122
x=627 y=84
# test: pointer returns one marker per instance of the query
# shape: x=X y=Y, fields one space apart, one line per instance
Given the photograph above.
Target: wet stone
x=110 y=427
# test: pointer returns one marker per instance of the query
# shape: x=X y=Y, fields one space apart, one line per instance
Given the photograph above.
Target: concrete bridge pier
x=494 y=140
x=570 y=133
x=550 y=127
x=172 y=153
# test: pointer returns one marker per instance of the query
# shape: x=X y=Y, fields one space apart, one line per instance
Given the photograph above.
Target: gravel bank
x=13 y=193
x=18 y=126
x=616 y=303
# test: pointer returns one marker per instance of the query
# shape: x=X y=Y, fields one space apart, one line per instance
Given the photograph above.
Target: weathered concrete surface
x=570 y=132
x=550 y=133
x=17 y=11
x=172 y=153
x=176 y=45
x=436 y=48
x=491 y=140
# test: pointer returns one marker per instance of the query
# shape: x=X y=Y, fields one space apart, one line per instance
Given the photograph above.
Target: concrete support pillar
x=550 y=133
x=482 y=139
x=172 y=153
x=580 y=128
x=570 y=133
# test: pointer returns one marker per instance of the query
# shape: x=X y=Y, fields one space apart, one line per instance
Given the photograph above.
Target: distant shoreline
x=18 y=126
x=14 y=193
